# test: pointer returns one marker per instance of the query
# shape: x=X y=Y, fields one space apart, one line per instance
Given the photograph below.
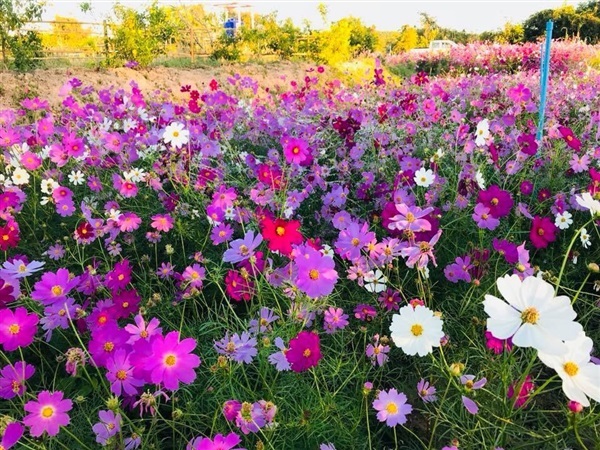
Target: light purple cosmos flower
x=469 y=384
x=335 y=319
x=109 y=425
x=263 y=323
x=470 y=405
x=242 y=249
x=419 y=253
x=278 y=359
x=484 y=218
x=426 y=391
x=377 y=352
x=316 y=273
x=18 y=268
x=12 y=379
x=241 y=349
x=392 y=407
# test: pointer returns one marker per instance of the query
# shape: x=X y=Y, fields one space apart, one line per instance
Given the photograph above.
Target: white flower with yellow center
x=424 y=177
x=416 y=330
x=20 y=177
x=176 y=135
x=581 y=377
x=531 y=314
x=588 y=202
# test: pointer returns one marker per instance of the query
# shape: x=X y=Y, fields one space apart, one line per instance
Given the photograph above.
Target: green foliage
x=141 y=35
x=227 y=48
x=583 y=22
x=23 y=45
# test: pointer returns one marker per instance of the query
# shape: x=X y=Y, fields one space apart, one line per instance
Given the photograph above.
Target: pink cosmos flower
x=141 y=330
x=172 y=361
x=410 y=218
x=484 y=218
x=420 y=252
x=48 y=413
x=17 y=329
x=120 y=374
x=304 y=351
x=128 y=222
x=525 y=391
x=12 y=379
x=392 y=407
x=162 y=222
x=316 y=275
x=335 y=319
x=194 y=275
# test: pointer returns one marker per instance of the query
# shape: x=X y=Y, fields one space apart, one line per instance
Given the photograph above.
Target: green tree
x=142 y=35
x=23 y=45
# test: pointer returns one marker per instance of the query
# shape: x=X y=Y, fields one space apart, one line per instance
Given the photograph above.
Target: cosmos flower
x=304 y=351
x=47 y=414
x=531 y=314
x=416 y=330
x=391 y=407
x=172 y=361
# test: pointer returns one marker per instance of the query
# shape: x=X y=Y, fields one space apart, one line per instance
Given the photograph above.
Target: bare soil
x=46 y=83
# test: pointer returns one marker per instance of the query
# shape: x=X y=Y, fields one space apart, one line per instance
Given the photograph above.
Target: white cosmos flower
x=563 y=220
x=480 y=180
x=76 y=177
x=20 y=176
x=375 y=281
x=482 y=132
x=176 y=135
x=586 y=201
x=585 y=238
x=48 y=185
x=533 y=316
x=416 y=330
x=581 y=377
x=424 y=177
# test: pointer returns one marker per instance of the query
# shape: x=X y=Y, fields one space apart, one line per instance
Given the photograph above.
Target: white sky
x=470 y=15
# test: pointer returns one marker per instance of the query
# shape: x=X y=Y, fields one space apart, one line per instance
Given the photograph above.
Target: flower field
x=393 y=265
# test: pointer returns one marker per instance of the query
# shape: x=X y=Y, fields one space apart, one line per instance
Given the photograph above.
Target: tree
x=23 y=45
x=68 y=33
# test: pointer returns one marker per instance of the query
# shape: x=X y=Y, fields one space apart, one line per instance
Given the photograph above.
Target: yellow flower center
x=355 y=242
x=175 y=133
x=243 y=250
x=313 y=274
x=391 y=408
x=57 y=290
x=109 y=346
x=170 y=360
x=530 y=315
x=571 y=368
x=14 y=328
x=144 y=334
x=306 y=353
x=121 y=375
x=47 y=412
x=494 y=201
x=280 y=231
x=410 y=217
x=416 y=329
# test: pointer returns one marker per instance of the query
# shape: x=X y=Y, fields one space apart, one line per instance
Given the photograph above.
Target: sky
x=385 y=15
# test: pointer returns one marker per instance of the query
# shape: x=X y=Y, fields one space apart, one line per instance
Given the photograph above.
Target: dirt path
x=47 y=83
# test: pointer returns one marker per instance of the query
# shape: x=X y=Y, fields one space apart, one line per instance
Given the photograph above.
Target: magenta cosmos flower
x=172 y=361
x=392 y=407
x=48 y=413
x=12 y=379
x=12 y=434
x=316 y=273
x=17 y=329
x=304 y=351
x=54 y=287
x=543 y=231
x=219 y=442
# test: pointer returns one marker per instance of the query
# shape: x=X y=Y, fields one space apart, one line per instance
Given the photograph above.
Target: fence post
x=192 y=42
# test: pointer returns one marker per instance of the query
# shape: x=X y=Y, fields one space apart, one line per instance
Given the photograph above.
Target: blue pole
x=544 y=72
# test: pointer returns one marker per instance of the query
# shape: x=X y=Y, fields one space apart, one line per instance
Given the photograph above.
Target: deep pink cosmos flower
x=316 y=274
x=304 y=351
x=12 y=379
x=172 y=361
x=570 y=138
x=392 y=407
x=119 y=277
x=295 y=150
x=543 y=231
x=17 y=329
x=47 y=414
x=524 y=391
